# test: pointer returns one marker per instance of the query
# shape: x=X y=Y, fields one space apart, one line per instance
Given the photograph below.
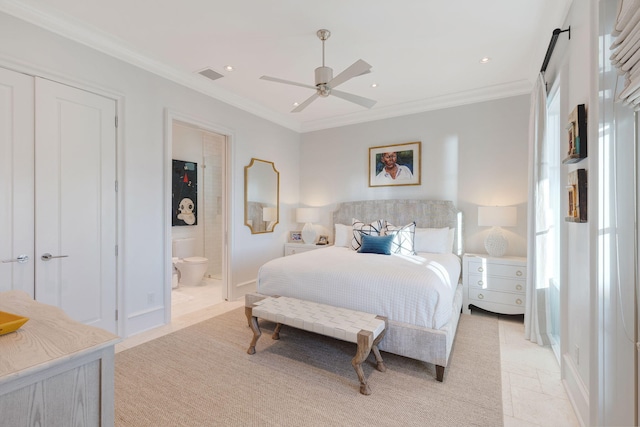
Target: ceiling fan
x=326 y=83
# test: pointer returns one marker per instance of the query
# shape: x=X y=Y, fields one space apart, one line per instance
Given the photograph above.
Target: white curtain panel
x=536 y=313
x=626 y=51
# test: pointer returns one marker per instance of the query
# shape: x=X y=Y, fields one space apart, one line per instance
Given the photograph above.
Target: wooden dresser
x=54 y=371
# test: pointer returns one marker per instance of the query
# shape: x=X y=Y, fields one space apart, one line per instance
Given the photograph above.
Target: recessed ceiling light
x=374 y=84
x=295 y=104
x=485 y=60
x=229 y=68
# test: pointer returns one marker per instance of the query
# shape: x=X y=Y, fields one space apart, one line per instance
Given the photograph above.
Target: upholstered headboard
x=426 y=214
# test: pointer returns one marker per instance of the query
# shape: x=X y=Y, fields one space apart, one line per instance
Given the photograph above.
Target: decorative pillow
x=434 y=240
x=403 y=238
x=376 y=244
x=376 y=228
x=343 y=235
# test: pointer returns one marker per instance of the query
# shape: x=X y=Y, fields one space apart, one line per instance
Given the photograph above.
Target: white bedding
x=418 y=290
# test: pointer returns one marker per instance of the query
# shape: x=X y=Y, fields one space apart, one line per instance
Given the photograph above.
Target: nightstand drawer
x=487 y=296
x=298 y=248
x=502 y=284
x=495 y=269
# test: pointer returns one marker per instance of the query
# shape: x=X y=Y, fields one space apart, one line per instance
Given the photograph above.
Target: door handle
x=20 y=260
x=48 y=256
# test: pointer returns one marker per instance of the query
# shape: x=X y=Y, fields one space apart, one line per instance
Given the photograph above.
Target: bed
x=420 y=293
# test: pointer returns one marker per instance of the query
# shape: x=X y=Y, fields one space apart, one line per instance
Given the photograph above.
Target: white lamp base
x=309 y=234
x=496 y=243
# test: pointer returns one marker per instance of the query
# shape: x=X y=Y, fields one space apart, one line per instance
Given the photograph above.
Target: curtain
x=626 y=51
x=536 y=313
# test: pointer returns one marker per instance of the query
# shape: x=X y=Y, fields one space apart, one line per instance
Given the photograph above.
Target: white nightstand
x=497 y=284
x=296 y=248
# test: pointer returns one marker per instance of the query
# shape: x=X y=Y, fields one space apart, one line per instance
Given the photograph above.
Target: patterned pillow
x=376 y=244
x=376 y=228
x=403 y=238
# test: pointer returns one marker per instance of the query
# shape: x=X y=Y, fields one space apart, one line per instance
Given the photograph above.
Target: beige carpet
x=202 y=376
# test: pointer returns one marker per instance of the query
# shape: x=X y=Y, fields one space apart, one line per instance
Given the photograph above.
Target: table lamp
x=307 y=216
x=270 y=215
x=496 y=242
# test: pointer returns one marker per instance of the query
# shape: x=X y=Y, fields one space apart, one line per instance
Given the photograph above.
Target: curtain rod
x=552 y=45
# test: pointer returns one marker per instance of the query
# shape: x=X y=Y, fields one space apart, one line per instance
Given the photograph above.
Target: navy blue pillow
x=376 y=244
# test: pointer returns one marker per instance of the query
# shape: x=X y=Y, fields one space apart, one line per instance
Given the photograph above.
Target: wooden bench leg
x=380 y=364
x=256 y=334
x=439 y=373
x=276 y=331
x=364 y=348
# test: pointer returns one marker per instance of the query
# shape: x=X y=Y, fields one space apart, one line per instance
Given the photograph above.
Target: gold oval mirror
x=261 y=196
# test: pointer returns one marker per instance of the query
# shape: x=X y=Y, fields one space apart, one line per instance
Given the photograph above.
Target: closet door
x=16 y=182
x=75 y=208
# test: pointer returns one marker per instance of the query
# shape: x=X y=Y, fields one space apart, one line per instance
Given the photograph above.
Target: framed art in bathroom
x=184 y=193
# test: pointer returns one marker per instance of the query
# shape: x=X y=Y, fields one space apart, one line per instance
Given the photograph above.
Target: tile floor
x=532 y=393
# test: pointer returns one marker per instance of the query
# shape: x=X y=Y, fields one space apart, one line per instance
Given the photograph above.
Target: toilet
x=191 y=268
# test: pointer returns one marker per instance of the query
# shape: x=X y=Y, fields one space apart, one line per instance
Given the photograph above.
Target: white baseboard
x=576 y=390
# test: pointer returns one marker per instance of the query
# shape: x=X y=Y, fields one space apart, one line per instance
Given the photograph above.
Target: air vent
x=210 y=74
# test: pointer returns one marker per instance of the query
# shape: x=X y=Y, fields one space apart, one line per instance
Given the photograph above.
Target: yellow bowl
x=10 y=322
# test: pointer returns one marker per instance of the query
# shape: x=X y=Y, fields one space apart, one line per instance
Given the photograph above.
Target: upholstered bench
x=364 y=329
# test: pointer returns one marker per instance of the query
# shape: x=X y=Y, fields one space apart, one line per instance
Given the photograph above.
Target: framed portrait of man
x=397 y=164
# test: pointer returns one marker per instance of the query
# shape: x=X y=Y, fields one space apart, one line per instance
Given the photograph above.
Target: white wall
x=472 y=155
x=143 y=100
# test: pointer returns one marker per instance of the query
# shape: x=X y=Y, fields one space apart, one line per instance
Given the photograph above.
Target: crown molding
x=522 y=87
x=76 y=31
x=79 y=32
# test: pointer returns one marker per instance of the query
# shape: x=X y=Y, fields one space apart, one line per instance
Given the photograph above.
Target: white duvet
x=418 y=289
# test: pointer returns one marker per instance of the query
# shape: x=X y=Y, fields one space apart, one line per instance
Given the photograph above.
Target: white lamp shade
x=305 y=215
x=501 y=216
x=269 y=214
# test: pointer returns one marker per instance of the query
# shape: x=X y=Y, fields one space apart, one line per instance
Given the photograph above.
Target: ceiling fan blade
x=365 y=102
x=356 y=69
x=306 y=103
x=288 y=82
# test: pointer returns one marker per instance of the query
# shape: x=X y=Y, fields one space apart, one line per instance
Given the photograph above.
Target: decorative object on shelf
x=295 y=237
x=323 y=240
x=577 y=197
x=496 y=243
x=270 y=216
x=184 y=193
x=577 y=135
x=307 y=216
x=10 y=322
x=397 y=164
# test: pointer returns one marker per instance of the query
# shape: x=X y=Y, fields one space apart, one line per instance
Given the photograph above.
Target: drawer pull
x=519 y=287
x=519 y=301
x=518 y=273
x=480 y=296
x=480 y=283
x=480 y=269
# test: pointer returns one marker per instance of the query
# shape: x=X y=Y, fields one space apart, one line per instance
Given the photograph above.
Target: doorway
x=204 y=147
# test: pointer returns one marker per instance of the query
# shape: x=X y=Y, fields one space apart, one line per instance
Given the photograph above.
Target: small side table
x=497 y=284
x=297 y=248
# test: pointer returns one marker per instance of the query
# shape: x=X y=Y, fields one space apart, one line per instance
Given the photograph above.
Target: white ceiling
x=425 y=54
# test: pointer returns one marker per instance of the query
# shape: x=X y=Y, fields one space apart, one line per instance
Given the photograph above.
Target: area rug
x=203 y=376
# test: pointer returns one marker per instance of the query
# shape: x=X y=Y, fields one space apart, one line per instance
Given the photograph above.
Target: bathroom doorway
x=205 y=149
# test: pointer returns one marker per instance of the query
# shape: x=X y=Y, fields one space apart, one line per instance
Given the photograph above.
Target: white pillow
x=452 y=237
x=433 y=240
x=343 y=235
